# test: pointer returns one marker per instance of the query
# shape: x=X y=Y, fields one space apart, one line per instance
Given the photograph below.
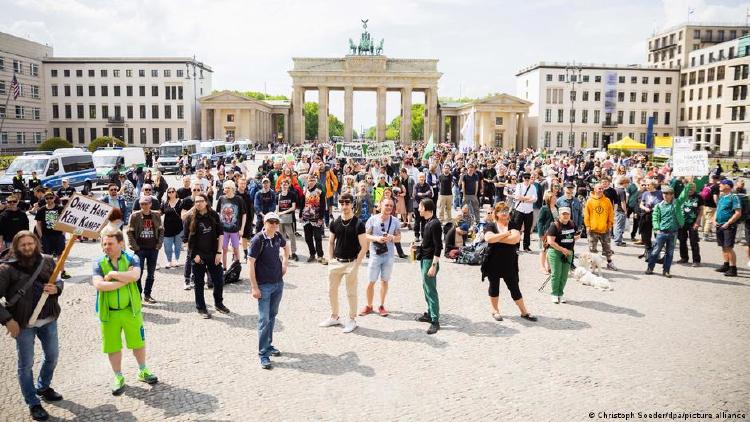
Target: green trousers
x=429 y=285
x=560 y=266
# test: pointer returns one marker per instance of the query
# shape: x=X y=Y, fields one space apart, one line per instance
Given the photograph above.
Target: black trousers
x=314 y=240
x=527 y=221
x=636 y=223
x=646 y=229
x=419 y=223
x=683 y=234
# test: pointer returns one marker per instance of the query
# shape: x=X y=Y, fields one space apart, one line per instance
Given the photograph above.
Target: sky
x=249 y=44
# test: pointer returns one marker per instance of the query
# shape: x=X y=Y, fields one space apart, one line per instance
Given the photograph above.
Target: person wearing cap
x=667 y=218
x=728 y=212
x=145 y=236
x=265 y=201
x=53 y=241
x=65 y=191
x=266 y=267
x=561 y=238
x=692 y=207
x=523 y=209
x=568 y=199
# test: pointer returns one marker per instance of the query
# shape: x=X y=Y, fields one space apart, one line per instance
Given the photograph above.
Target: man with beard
x=21 y=294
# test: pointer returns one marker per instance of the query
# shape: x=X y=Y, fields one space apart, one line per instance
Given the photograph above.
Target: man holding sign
x=23 y=280
x=119 y=307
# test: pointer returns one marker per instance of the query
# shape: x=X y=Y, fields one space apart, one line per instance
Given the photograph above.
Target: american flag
x=15 y=88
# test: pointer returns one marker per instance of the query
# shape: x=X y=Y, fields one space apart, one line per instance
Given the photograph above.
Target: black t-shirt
x=183 y=193
x=204 y=241
x=231 y=211
x=470 y=183
x=346 y=234
x=445 y=183
x=172 y=219
x=611 y=193
x=63 y=192
x=12 y=222
x=565 y=235
x=285 y=203
x=48 y=217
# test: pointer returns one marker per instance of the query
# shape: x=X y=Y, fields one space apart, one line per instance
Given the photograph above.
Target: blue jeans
x=25 y=347
x=268 y=307
x=620 y=220
x=663 y=239
x=217 y=278
x=456 y=197
x=148 y=261
x=172 y=246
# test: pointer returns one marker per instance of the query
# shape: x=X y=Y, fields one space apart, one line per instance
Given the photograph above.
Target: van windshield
x=170 y=151
x=105 y=160
x=205 y=149
x=28 y=165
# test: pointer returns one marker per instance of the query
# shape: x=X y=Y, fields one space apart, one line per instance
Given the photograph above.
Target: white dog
x=592 y=262
x=587 y=278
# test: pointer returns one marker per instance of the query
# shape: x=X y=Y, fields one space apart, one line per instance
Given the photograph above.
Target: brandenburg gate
x=364 y=69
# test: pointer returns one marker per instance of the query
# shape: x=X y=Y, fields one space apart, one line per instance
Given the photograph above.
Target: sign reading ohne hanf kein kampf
x=83 y=216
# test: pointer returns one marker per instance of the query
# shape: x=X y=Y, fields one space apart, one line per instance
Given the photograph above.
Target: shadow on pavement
x=159 y=319
x=462 y=325
x=606 y=307
x=321 y=363
x=105 y=412
x=413 y=335
x=720 y=279
x=173 y=401
x=552 y=323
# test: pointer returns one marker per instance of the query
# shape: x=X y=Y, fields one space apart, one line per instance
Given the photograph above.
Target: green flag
x=429 y=149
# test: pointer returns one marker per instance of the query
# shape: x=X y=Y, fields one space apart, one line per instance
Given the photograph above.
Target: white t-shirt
x=530 y=191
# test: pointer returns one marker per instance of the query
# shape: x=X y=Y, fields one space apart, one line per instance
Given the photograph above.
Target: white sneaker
x=555 y=299
x=158 y=267
x=330 y=322
x=562 y=299
x=350 y=326
x=168 y=266
x=175 y=263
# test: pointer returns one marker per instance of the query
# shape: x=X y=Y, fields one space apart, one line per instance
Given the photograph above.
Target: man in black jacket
x=428 y=255
x=21 y=299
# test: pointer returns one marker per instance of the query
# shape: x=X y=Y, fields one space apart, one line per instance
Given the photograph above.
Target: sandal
x=497 y=316
x=529 y=317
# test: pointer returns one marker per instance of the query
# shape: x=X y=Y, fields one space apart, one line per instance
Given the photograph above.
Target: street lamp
x=195 y=64
x=572 y=77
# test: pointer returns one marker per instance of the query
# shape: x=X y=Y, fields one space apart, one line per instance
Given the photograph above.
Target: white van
x=119 y=158
x=213 y=150
x=73 y=164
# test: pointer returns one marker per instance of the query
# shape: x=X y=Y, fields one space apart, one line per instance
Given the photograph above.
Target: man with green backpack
x=118 y=305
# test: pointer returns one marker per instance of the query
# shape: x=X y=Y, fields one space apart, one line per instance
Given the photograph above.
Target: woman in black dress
x=503 y=260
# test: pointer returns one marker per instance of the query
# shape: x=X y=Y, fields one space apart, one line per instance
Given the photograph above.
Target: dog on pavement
x=588 y=278
x=592 y=262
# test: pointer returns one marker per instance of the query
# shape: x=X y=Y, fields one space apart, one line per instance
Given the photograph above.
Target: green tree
x=370 y=133
x=335 y=126
x=311 y=120
x=417 y=122
x=52 y=144
x=256 y=95
x=105 y=141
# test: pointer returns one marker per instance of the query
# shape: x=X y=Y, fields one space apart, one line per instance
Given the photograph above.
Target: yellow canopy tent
x=627 y=143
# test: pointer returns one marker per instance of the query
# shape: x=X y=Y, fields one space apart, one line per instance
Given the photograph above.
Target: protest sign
x=690 y=163
x=380 y=149
x=683 y=143
x=351 y=150
x=83 y=216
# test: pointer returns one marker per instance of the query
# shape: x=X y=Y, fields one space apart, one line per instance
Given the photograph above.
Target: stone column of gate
x=348 y=113
x=285 y=116
x=431 y=102
x=298 y=115
x=380 y=120
x=323 y=114
x=525 y=130
x=510 y=141
x=253 y=135
x=217 y=124
x=238 y=132
x=406 y=115
x=204 y=123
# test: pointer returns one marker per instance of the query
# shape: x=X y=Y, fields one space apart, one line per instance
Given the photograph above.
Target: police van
x=51 y=168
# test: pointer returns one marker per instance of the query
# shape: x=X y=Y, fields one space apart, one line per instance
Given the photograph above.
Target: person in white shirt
x=523 y=209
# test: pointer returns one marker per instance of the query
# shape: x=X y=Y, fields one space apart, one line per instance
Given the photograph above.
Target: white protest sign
x=350 y=150
x=682 y=143
x=380 y=149
x=690 y=163
x=83 y=216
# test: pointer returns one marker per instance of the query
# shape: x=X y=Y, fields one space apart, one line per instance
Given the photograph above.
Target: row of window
x=128 y=135
x=701 y=76
x=699 y=113
x=21 y=137
x=67 y=110
x=555 y=96
x=709 y=92
x=167 y=73
x=741 y=52
x=170 y=92
x=583 y=140
x=31 y=69
x=607 y=117
x=620 y=79
x=21 y=113
x=25 y=90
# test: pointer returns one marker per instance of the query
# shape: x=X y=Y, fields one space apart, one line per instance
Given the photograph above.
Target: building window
x=597 y=78
x=143 y=136
x=79 y=73
x=105 y=90
x=620 y=116
x=621 y=79
x=154 y=90
x=18 y=67
x=167 y=131
x=719 y=90
x=37 y=137
x=129 y=90
x=631 y=117
x=53 y=73
x=180 y=133
x=92 y=91
x=130 y=135
x=4 y=138
x=142 y=90
x=167 y=112
x=154 y=111
x=116 y=73
x=105 y=112
x=498 y=121
x=69 y=134
x=597 y=96
x=644 y=97
x=668 y=97
x=141 y=74
x=180 y=113
x=118 y=112
x=548 y=76
x=719 y=73
x=572 y=140
x=718 y=111
x=180 y=74
x=103 y=73
x=595 y=140
x=142 y=111
x=596 y=116
x=547 y=139
x=68 y=111
x=92 y=73
x=584 y=116
x=632 y=97
x=656 y=118
x=66 y=90
x=644 y=80
x=79 y=90
x=656 y=97
x=179 y=92
x=644 y=116
x=79 y=111
x=56 y=132
x=584 y=139
x=105 y=131
x=92 y=111
x=585 y=96
x=117 y=90
x=155 y=135
x=561 y=78
x=669 y=79
x=667 y=116
x=129 y=73
x=154 y=73
x=560 y=116
x=559 y=140
x=167 y=74
x=129 y=111
x=55 y=111
x=81 y=135
x=620 y=97
x=2 y=89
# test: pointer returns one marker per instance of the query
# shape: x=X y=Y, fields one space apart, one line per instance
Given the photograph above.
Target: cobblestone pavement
x=652 y=344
